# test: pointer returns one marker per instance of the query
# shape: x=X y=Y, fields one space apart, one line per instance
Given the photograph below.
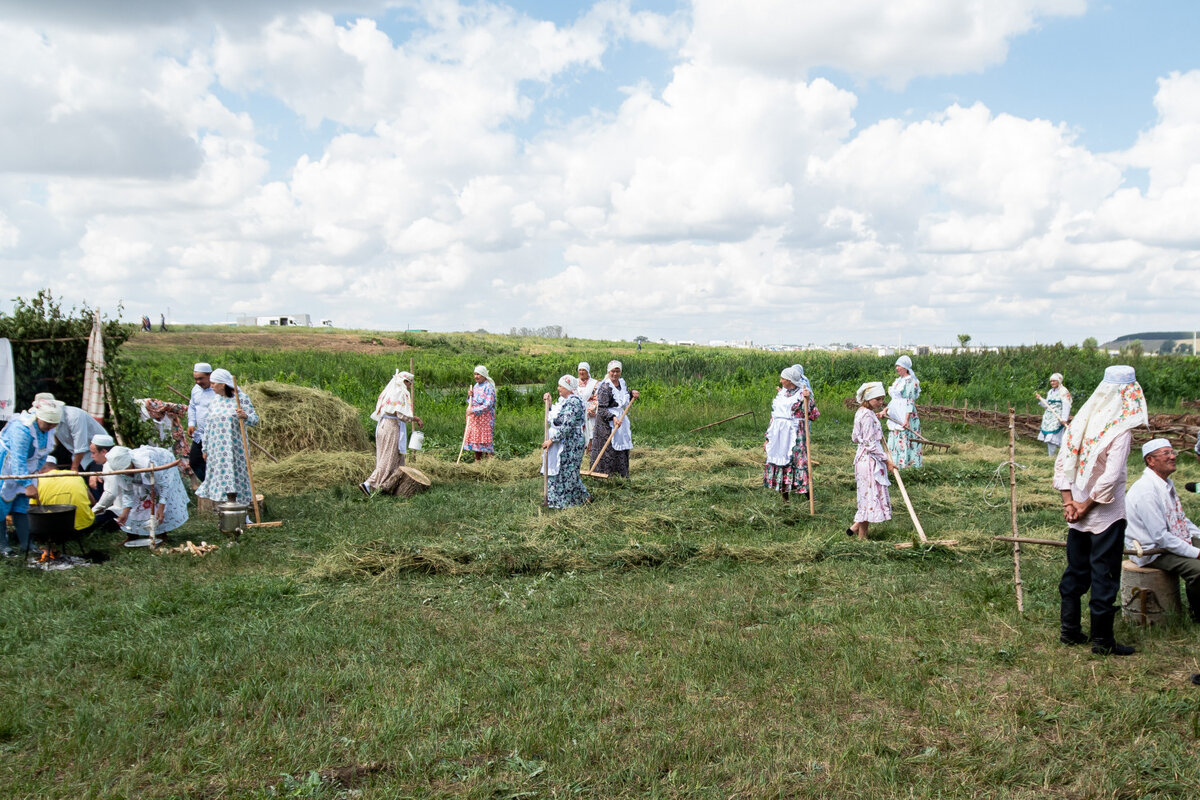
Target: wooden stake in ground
x=808 y=454
x=246 y=453
x=546 y=455
x=607 y=442
x=1012 y=495
x=908 y=503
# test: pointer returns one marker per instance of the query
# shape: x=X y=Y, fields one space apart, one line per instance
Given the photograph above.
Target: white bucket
x=416 y=440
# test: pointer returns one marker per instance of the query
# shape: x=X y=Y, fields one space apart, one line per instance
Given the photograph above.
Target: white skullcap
x=51 y=460
x=202 y=366
x=1057 y=377
x=480 y=369
x=222 y=376
x=569 y=382
x=1154 y=444
x=869 y=391
x=103 y=440
x=1119 y=373
x=118 y=458
x=584 y=365
x=614 y=364
x=49 y=411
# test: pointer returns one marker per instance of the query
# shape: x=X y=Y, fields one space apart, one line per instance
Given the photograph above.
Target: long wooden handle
x=808 y=455
x=1061 y=421
x=909 y=505
x=237 y=398
x=71 y=474
x=608 y=441
x=546 y=455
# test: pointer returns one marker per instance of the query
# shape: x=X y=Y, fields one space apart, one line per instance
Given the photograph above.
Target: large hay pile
x=306 y=472
x=296 y=419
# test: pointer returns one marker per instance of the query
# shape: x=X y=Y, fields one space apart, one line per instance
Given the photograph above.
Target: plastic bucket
x=416 y=440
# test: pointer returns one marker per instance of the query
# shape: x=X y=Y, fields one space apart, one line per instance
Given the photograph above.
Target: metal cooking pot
x=231 y=515
x=52 y=524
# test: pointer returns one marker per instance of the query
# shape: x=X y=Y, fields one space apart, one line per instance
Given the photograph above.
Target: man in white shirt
x=75 y=432
x=1090 y=473
x=1156 y=519
x=202 y=395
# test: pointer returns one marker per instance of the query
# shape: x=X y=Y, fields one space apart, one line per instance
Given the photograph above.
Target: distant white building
x=281 y=320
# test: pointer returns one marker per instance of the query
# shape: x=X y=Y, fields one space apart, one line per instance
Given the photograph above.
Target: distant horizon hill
x=1152 y=341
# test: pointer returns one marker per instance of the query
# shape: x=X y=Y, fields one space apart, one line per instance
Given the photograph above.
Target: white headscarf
x=585 y=365
x=569 y=382
x=1118 y=405
x=1057 y=377
x=906 y=362
x=222 y=376
x=614 y=364
x=480 y=369
x=869 y=391
x=394 y=398
x=795 y=374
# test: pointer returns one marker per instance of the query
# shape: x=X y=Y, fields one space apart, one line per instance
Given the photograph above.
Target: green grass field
x=686 y=635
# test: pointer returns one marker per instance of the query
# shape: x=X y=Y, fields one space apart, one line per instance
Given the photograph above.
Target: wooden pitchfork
x=607 y=442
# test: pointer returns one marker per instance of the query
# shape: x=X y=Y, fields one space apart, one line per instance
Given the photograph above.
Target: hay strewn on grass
x=299 y=418
x=307 y=472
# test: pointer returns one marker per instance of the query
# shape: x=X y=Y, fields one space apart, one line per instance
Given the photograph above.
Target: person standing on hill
x=904 y=427
x=225 y=456
x=612 y=399
x=197 y=415
x=786 y=469
x=393 y=413
x=871 y=461
x=1090 y=474
x=481 y=415
x=1057 y=403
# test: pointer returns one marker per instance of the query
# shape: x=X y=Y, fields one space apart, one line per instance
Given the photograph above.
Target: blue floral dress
x=566 y=489
x=904 y=447
x=225 y=459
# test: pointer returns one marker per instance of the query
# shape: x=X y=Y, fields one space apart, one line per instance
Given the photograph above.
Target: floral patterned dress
x=904 y=447
x=139 y=493
x=870 y=469
x=566 y=488
x=225 y=458
x=787 y=426
x=481 y=418
x=159 y=411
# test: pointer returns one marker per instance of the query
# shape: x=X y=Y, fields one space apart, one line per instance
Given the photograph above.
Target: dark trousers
x=1094 y=562
x=196 y=460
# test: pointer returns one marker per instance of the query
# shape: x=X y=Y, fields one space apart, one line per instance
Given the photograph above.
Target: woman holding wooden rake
x=612 y=399
x=564 y=447
x=871 y=461
x=787 y=468
x=224 y=455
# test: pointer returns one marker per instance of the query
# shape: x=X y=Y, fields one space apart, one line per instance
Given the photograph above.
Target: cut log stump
x=1148 y=595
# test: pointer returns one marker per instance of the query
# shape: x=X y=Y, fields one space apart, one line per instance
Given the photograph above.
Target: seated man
x=65 y=490
x=1156 y=520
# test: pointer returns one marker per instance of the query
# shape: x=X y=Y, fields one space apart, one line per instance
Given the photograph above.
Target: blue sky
x=1018 y=169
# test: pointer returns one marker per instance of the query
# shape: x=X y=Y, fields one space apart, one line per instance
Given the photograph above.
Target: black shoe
x=363 y=486
x=1068 y=618
x=850 y=532
x=1196 y=678
x=1190 y=486
x=1103 y=643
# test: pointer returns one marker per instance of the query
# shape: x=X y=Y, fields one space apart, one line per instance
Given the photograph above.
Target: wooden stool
x=1148 y=595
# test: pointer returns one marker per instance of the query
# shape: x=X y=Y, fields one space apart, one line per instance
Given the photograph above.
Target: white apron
x=623 y=438
x=554 y=453
x=782 y=432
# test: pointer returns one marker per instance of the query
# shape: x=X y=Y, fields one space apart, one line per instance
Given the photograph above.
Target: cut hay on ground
x=297 y=418
x=310 y=471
